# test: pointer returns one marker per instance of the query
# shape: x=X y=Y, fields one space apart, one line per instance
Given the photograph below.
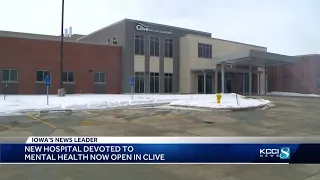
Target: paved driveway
x=291 y=117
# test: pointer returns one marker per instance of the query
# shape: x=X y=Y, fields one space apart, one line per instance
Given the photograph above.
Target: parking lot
x=290 y=117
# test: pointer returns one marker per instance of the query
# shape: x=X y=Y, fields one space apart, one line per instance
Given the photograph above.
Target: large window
x=204 y=50
x=9 y=75
x=168 y=48
x=139 y=82
x=138 y=45
x=68 y=77
x=154 y=46
x=154 y=83
x=168 y=83
x=99 y=77
x=41 y=75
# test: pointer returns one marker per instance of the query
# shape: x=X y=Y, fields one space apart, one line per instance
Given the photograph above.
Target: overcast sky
x=289 y=27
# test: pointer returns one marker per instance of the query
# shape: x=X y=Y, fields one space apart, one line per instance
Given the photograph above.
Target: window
x=114 y=40
x=109 y=41
x=99 y=77
x=68 y=77
x=138 y=45
x=154 y=46
x=168 y=83
x=168 y=48
x=204 y=50
x=9 y=75
x=154 y=83
x=139 y=82
x=41 y=75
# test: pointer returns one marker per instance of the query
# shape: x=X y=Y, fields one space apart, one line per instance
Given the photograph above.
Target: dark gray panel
x=125 y=30
x=100 y=88
x=147 y=63
x=177 y=33
x=69 y=87
x=11 y=88
x=41 y=88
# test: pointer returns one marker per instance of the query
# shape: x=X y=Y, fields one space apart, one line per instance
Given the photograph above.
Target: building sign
x=142 y=27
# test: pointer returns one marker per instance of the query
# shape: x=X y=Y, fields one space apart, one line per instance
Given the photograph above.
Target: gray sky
x=289 y=27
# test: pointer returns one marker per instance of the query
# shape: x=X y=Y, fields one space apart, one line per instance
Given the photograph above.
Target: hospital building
x=163 y=59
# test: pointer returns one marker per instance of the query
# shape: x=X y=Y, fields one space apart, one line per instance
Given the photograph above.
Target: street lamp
x=62 y=93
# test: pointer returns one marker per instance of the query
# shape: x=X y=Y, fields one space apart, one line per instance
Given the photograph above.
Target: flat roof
x=256 y=58
x=213 y=38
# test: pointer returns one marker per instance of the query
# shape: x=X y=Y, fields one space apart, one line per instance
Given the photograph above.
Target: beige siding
x=139 y=63
x=189 y=57
x=168 y=65
x=154 y=64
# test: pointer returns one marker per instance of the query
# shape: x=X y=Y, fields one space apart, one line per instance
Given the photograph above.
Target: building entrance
x=208 y=84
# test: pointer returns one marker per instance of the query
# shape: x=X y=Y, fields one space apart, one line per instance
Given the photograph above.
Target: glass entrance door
x=208 y=82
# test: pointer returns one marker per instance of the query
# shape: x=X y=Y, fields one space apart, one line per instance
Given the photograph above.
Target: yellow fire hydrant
x=219 y=96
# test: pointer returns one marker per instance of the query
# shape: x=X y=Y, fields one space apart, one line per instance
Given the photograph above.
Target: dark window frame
x=139 y=82
x=68 y=74
x=9 y=75
x=153 y=43
x=115 y=40
x=154 y=82
x=205 y=51
x=100 y=74
x=168 y=82
x=168 y=48
x=138 y=44
x=43 y=74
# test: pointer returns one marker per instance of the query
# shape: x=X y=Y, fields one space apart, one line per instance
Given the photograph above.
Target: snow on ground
x=15 y=104
x=276 y=93
x=228 y=101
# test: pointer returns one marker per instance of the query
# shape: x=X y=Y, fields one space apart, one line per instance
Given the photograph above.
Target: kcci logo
x=282 y=153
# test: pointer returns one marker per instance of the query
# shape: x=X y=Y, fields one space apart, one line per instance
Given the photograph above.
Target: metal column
x=265 y=80
x=243 y=83
x=222 y=78
x=250 y=81
x=216 y=81
x=258 y=83
x=204 y=82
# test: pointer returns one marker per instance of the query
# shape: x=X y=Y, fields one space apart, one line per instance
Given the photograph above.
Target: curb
x=285 y=96
x=261 y=107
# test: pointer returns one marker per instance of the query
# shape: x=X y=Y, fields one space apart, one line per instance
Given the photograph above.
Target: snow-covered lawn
x=227 y=101
x=276 y=93
x=15 y=104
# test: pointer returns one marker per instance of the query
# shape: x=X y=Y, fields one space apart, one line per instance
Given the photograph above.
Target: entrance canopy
x=256 y=58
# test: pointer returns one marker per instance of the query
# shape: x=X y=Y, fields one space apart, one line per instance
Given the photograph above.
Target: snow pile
x=276 y=93
x=228 y=101
x=16 y=104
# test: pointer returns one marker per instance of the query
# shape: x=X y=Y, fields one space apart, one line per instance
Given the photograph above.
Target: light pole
x=61 y=50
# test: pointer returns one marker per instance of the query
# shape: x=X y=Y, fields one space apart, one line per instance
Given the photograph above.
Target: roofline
x=58 y=40
x=118 y=22
x=228 y=41
x=307 y=55
x=168 y=26
x=133 y=20
x=251 y=53
x=16 y=34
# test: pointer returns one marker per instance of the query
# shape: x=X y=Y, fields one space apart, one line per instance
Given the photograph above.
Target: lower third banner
x=159 y=153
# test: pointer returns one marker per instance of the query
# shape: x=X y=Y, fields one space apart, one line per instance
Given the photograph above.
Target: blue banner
x=159 y=153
